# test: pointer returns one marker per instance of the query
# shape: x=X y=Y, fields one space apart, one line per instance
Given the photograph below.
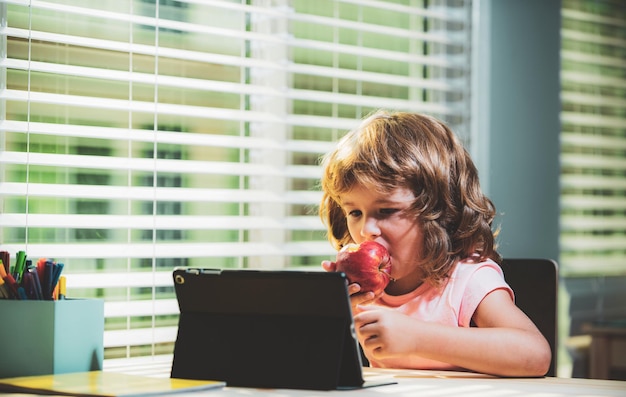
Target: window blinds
x=139 y=135
x=593 y=158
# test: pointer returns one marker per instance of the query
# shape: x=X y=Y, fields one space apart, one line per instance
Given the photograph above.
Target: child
x=405 y=181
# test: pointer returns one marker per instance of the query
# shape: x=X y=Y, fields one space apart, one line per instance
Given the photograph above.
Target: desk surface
x=413 y=383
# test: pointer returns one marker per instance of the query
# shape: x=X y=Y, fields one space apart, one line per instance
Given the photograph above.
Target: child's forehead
x=371 y=194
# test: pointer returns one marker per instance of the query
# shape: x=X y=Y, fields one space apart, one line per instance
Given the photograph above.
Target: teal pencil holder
x=50 y=337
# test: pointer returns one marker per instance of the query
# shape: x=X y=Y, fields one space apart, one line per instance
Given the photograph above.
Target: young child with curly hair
x=405 y=181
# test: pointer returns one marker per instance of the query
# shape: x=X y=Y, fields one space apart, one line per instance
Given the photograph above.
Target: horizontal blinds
x=593 y=158
x=142 y=135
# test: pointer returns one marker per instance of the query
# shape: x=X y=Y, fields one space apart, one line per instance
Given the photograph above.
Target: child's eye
x=388 y=211
x=354 y=213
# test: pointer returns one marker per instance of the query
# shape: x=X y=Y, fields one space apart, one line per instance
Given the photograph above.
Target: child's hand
x=356 y=298
x=329 y=266
x=384 y=333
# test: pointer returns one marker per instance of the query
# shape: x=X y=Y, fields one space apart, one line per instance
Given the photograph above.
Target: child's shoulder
x=466 y=268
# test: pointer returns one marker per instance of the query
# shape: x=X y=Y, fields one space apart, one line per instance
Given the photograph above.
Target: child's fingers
x=353 y=288
x=329 y=266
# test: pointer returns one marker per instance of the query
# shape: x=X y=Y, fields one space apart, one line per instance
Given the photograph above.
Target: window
x=593 y=138
x=139 y=135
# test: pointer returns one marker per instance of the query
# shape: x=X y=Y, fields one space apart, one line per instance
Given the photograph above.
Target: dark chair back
x=535 y=283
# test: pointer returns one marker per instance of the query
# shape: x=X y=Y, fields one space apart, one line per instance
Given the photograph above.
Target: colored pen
x=6 y=260
x=31 y=284
x=36 y=282
x=41 y=264
x=57 y=268
x=20 y=263
x=12 y=285
x=47 y=281
x=62 y=287
x=28 y=285
x=21 y=294
x=4 y=293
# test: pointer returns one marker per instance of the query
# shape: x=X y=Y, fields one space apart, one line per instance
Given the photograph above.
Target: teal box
x=50 y=337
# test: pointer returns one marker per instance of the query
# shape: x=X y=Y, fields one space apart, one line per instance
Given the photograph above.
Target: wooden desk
x=413 y=383
x=607 y=352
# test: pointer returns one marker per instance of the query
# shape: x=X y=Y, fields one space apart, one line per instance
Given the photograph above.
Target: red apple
x=367 y=264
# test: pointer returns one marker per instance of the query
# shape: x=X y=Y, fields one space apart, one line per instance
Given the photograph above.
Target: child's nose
x=370 y=228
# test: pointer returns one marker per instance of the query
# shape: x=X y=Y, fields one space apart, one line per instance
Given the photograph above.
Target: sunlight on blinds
x=593 y=159
x=142 y=135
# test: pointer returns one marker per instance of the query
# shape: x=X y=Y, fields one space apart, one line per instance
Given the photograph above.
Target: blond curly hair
x=391 y=150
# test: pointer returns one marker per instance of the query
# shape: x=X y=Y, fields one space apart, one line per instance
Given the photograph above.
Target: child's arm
x=505 y=342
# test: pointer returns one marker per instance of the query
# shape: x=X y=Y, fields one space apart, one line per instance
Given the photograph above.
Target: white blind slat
x=591 y=202
x=569 y=76
x=160 y=222
x=598 y=141
x=158 y=194
x=116 y=134
x=140 y=336
x=174 y=250
x=140 y=308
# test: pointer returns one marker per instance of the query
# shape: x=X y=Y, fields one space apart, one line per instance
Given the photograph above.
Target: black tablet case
x=266 y=329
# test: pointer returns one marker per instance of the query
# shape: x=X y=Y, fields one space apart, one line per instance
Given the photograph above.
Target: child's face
x=385 y=219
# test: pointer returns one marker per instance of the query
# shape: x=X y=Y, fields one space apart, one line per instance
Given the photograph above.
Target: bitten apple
x=367 y=264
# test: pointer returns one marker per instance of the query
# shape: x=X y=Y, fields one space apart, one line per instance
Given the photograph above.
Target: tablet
x=266 y=329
